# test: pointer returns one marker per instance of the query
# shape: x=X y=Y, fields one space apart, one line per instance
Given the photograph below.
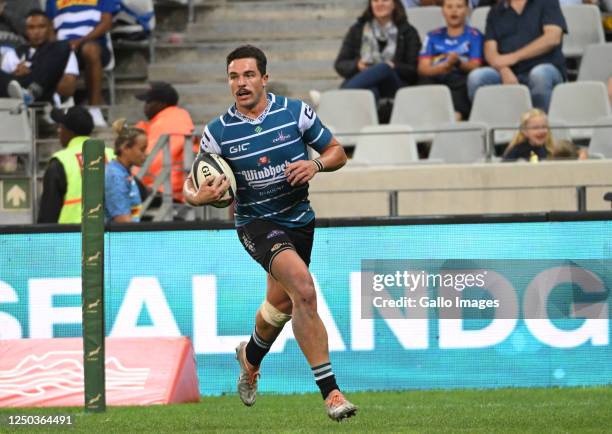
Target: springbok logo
x=94 y=399
x=94 y=353
x=93 y=305
x=94 y=257
x=95 y=210
x=95 y=162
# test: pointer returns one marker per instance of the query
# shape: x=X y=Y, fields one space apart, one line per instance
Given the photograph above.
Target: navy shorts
x=264 y=240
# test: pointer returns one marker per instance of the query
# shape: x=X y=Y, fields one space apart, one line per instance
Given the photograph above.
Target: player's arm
x=332 y=158
x=207 y=193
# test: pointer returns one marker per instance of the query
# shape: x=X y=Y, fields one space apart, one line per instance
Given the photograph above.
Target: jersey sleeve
x=426 y=50
x=476 y=45
x=314 y=133
x=209 y=143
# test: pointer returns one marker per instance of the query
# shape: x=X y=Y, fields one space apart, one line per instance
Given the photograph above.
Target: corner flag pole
x=93 y=275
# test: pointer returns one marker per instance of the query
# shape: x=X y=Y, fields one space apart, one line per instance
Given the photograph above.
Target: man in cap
x=62 y=182
x=165 y=118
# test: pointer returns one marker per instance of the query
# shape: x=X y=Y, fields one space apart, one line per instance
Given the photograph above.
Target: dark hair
x=126 y=135
x=467 y=3
x=248 y=52
x=398 y=15
x=36 y=12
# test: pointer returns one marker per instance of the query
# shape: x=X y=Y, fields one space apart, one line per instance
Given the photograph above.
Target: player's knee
x=305 y=295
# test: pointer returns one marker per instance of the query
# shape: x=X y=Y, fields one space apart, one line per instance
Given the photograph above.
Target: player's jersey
x=259 y=151
x=438 y=44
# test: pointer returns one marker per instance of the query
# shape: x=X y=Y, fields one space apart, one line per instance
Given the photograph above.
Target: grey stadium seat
x=15 y=126
x=584 y=27
x=385 y=145
x=579 y=103
x=601 y=142
x=596 y=64
x=425 y=19
x=465 y=142
x=478 y=18
x=501 y=106
x=347 y=111
x=423 y=108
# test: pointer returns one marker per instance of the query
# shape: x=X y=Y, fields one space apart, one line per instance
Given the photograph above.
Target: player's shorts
x=264 y=240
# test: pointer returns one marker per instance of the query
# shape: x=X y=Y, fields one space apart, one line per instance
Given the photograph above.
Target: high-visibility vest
x=71 y=158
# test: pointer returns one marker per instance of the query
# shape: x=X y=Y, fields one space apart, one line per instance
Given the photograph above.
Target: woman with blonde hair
x=122 y=197
x=533 y=141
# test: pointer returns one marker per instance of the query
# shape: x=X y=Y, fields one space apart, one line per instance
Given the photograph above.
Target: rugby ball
x=204 y=167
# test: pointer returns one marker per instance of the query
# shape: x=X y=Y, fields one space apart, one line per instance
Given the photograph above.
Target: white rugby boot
x=247 y=380
x=338 y=407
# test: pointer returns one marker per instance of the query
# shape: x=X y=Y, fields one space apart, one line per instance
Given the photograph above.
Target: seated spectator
x=533 y=142
x=62 y=182
x=165 y=117
x=450 y=53
x=36 y=70
x=122 y=201
x=86 y=25
x=523 y=45
x=380 y=51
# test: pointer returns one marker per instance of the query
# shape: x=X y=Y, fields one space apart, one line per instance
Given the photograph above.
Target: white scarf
x=374 y=32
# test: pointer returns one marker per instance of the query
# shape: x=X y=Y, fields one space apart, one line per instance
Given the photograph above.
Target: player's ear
x=264 y=79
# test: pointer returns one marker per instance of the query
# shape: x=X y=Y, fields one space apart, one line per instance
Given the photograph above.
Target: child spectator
x=533 y=142
x=122 y=201
x=450 y=53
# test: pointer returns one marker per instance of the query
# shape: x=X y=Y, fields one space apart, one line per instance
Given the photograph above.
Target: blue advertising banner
x=202 y=284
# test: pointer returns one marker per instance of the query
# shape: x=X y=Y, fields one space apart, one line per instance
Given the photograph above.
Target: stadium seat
x=463 y=142
x=600 y=145
x=423 y=108
x=15 y=127
x=596 y=63
x=385 y=144
x=347 y=111
x=425 y=19
x=478 y=18
x=584 y=27
x=579 y=103
x=501 y=106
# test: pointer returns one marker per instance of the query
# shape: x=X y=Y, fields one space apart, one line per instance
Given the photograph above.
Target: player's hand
x=504 y=61
x=453 y=58
x=300 y=172
x=207 y=193
x=361 y=65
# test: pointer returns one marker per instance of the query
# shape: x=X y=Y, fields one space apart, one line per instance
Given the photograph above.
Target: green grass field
x=504 y=410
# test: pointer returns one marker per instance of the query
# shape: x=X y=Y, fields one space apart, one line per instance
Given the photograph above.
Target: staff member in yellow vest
x=61 y=198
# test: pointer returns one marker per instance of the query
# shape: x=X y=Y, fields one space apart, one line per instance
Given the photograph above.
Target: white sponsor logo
x=262 y=178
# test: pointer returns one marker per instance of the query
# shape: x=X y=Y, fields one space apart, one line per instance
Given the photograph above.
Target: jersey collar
x=259 y=119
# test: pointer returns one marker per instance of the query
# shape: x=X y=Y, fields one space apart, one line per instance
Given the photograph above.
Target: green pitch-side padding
x=93 y=275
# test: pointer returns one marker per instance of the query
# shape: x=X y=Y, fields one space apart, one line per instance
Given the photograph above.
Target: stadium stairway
x=300 y=37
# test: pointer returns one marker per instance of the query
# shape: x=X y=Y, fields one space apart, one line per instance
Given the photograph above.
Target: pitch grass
x=569 y=410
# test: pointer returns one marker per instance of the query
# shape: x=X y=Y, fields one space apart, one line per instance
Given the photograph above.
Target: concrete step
x=206 y=72
x=218 y=92
x=257 y=30
x=187 y=52
x=285 y=10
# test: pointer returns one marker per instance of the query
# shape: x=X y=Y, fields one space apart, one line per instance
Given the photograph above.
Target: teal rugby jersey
x=258 y=152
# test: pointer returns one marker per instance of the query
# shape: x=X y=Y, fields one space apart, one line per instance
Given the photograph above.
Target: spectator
x=85 y=26
x=36 y=70
x=122 y=197
x=62 y=182
x=165 y=117
x=450 y=53
x=533 y=142
x=523 y=45
x=380 y=51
